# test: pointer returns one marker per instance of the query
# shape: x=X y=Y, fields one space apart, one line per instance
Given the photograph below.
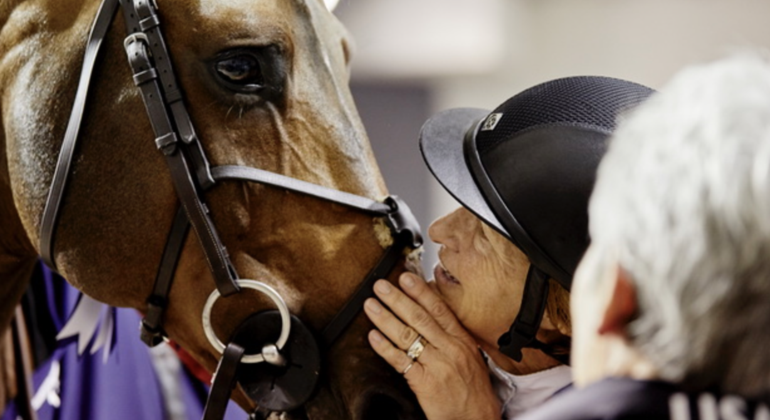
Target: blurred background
x=413 y=58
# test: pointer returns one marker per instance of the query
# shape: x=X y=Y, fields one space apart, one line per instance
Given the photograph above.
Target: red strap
x=193 y=366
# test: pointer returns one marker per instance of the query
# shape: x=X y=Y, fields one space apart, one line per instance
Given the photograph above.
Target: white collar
x=519 y=393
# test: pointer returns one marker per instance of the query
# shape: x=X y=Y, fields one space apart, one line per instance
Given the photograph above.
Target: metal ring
x=260 y=287
x=406 y=369
x=415 y=350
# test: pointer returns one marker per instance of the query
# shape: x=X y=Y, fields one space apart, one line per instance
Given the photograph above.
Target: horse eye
x=243 y=71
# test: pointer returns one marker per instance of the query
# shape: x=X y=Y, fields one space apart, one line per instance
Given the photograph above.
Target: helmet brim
x=441 y=144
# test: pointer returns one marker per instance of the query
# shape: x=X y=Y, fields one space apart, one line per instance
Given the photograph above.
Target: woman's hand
x=449 y=377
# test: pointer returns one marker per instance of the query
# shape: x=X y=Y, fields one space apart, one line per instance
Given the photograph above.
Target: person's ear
x=622 y=305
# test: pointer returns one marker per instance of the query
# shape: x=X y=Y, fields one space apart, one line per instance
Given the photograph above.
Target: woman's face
x=480 y=274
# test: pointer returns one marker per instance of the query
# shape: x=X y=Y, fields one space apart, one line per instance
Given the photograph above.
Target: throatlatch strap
x=527 y=323
x=224 y=382
x=59 y=182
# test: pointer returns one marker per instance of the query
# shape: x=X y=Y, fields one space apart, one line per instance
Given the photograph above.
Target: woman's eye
x=242 y=70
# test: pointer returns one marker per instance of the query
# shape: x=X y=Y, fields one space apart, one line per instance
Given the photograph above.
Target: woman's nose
x=436 y=230
x=443 y=230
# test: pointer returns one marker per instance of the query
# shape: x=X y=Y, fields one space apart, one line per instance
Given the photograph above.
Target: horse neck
x=17 y=255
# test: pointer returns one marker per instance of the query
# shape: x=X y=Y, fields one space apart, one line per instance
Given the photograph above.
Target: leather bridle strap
x=224 y=382
x=146 y=77
x=148 y=22
x=53 y=204
x=345 y=316
x=151 y=332
x=399 y=219
x=246 y=173
x=191 y=175
x=398 y=216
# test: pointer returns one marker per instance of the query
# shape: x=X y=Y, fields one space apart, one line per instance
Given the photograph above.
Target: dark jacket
x=627 y=399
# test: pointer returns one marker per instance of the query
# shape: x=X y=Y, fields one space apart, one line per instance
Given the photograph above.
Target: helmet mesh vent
x=587 y=101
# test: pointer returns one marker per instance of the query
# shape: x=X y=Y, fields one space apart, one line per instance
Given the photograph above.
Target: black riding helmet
x=527 y=169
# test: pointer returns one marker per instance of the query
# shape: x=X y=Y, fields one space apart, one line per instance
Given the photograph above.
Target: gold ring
x=415 y=350
x=406 y=369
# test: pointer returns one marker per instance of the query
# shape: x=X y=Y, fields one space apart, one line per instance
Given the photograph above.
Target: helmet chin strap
x=524 y=329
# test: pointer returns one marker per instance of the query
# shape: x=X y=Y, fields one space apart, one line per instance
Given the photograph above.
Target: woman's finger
x=417 y=289
x=401 y=335
x=394 y=356
x=412 y=314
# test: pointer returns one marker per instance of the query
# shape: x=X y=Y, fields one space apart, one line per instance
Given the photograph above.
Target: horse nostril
x=384 y=407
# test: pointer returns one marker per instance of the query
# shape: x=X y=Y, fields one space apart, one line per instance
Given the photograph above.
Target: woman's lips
x=443 y=275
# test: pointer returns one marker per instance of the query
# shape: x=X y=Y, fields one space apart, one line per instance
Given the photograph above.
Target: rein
x=290 y=365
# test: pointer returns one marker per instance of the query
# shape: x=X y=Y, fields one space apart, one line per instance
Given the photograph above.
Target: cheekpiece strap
x=146 y=51
x=152 y=332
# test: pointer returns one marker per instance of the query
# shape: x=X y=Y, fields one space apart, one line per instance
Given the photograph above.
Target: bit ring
x=406 y=369
x=274 y=296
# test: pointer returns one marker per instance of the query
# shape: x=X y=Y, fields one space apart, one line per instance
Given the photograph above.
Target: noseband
x=285 y=361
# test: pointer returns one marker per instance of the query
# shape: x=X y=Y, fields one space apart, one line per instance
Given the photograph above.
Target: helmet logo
x=491 y=122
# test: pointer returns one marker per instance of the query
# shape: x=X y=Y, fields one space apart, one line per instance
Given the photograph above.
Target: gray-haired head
x=683 y=201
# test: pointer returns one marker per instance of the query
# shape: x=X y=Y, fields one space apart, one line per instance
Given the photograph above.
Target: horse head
x=265 y=83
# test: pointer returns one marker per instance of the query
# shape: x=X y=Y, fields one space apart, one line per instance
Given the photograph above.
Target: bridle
x=290 y=383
